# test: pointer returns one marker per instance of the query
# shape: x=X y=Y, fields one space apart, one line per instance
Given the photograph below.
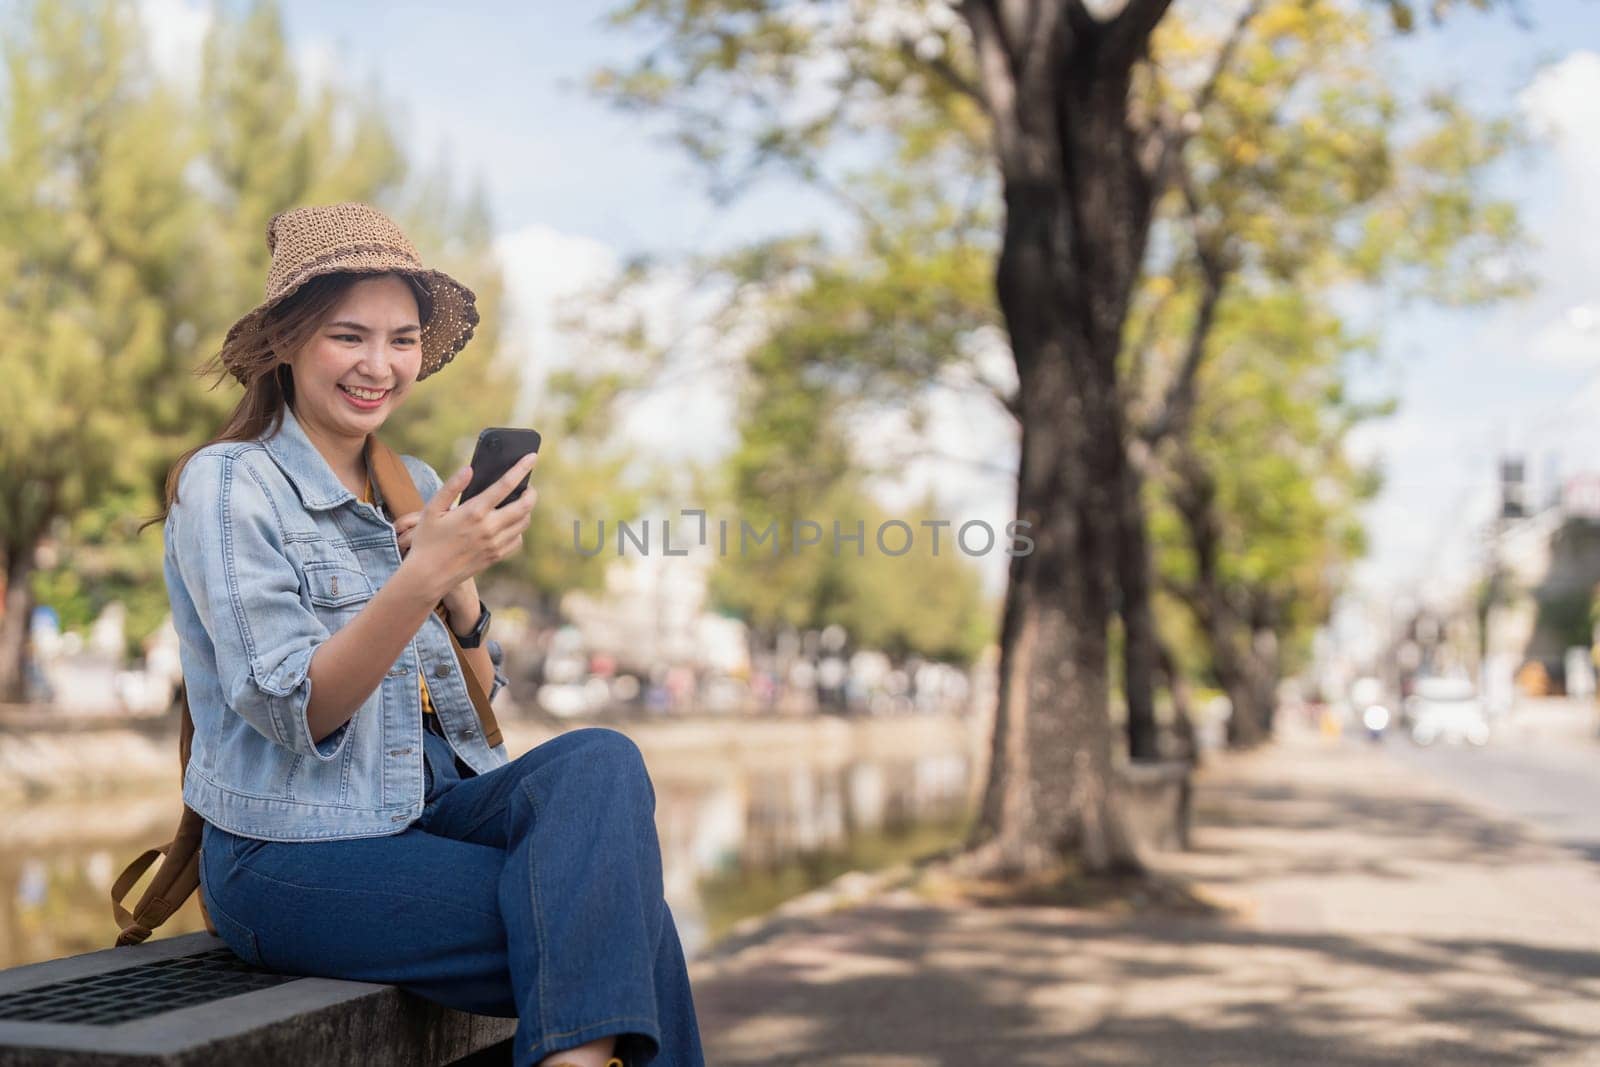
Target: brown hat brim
x=447 y=331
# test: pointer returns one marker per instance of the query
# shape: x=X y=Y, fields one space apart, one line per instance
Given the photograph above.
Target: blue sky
x=1518 y=377
x=503 y=85
x=576 y=186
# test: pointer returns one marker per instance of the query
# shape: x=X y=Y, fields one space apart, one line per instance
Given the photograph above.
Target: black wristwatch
x=475 y=638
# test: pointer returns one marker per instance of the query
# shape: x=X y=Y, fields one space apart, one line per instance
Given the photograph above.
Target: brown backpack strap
x=179 y=874
x=400 y=497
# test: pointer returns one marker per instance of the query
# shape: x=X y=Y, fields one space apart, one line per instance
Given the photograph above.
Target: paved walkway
x=1366 y=917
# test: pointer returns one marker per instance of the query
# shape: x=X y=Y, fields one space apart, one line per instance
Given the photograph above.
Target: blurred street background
x=1302 y=418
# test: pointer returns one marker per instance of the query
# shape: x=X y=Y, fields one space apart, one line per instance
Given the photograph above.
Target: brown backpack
x=179 y=873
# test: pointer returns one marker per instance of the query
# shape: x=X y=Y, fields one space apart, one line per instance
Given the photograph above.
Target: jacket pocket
x=335 y=585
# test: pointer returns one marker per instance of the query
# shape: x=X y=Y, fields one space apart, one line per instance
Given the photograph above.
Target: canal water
x=749 y=815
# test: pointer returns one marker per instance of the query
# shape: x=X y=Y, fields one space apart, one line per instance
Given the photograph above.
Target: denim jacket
x=267 y=554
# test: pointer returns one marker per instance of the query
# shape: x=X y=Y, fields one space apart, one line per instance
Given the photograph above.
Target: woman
x=358 y=824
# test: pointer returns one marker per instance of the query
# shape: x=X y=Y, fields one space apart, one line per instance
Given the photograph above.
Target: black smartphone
x=499 y=449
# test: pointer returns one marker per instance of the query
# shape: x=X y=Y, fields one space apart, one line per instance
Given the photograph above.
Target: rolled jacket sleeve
x=232 y=557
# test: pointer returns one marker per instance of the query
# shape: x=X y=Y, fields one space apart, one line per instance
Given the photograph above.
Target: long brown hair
x=269 y=383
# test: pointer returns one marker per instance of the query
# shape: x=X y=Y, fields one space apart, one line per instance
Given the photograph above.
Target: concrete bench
x=1157 y=799
x=189 y=1000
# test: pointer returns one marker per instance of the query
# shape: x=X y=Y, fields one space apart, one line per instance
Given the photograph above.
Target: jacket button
x=442 y=671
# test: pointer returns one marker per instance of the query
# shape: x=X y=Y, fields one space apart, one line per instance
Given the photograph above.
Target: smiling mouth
x=366 y=399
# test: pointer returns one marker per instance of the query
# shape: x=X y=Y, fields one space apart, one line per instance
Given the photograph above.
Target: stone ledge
x=306 y=1021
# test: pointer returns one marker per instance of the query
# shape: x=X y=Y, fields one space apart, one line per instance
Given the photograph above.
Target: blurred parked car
x=1446 y=709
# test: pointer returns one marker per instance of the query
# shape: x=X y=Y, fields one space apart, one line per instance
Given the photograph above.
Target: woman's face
x=371 y=341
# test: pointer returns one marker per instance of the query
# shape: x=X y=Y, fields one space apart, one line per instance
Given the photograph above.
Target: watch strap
x=475 y=638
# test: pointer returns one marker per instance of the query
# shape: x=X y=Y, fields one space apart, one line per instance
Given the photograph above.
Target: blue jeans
x=532 y=891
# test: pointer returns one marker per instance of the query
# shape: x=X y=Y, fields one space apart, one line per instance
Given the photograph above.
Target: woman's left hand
x=403 y=528
x=463 y=599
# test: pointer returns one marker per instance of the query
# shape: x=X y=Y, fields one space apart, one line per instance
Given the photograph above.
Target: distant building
x=653 y=611
x=1542 y=570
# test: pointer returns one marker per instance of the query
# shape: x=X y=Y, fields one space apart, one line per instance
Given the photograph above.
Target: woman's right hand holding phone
x=462 y=542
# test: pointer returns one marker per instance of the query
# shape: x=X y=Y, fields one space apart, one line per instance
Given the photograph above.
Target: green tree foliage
x=478 y=388
x=1269 y=435
x=849 y=338
x=204 y=173
x=336 y=145
x=793 y=463
x=132 y=234
x=923 y=603
x=98 y=235
x=1310 y=182
x=273 y=143
x=1405 y=15
x=1097 y=130
x=813 y=89
x=586 y=473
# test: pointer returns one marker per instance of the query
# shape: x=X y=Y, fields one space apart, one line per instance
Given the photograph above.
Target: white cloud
x=1563 y=103
x=1566 y=340
x=1514 y=384
x=966 y=454
x=689 y=408
x=176 y=30
x=1371 y=441
x=1562 y=106
x=544 y=269
x=688 y=411
x=317 y=63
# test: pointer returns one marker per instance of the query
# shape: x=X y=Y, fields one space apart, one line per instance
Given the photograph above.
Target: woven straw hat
x=356 y=238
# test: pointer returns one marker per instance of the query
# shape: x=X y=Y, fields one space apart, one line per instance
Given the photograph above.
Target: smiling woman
x=348 y=833
x=358 y=365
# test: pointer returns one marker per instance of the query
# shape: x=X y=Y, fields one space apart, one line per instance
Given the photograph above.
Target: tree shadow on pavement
x=912 y=983
x=1359 y=917
x=1368 y=821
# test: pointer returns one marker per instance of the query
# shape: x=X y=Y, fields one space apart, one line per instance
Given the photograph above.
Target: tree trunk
x=1246 y=727
x=1182 y=714
x=1250 y=678
x=1230 y=662
x=1049 y=792
x=1266 y=671
x=14 y=624
x=1228 y=633
x=1078 y=197
x=1139 y=658
x=1248 y=670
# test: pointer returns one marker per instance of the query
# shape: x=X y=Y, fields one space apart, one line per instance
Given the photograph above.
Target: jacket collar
x=319 y=488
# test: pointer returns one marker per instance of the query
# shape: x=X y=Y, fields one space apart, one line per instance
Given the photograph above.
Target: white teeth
x=364 y=394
